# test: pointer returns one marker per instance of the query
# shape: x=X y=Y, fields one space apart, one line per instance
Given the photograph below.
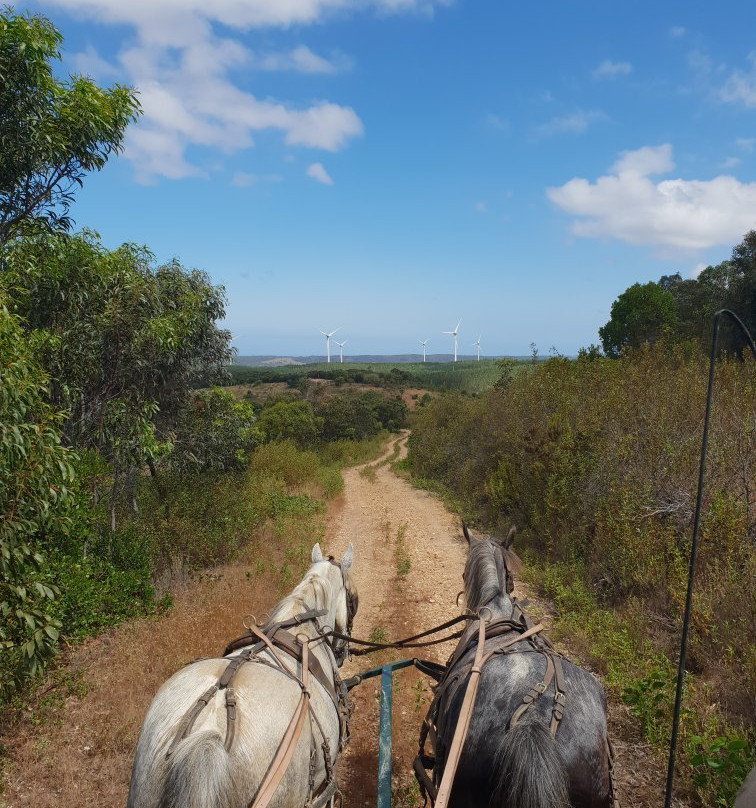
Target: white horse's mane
x=315 y=591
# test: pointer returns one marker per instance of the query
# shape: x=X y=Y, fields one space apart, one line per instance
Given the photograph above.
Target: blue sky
x=388 y=167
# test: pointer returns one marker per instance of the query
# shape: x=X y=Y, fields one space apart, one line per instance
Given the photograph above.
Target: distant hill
x=395 y=359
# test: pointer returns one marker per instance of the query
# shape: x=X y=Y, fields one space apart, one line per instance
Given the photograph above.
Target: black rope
x=694 y=543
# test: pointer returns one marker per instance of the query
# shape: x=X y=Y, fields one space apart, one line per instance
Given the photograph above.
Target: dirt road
x=409 y=556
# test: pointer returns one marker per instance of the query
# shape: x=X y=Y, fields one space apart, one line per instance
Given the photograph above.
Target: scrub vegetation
x=596 y=461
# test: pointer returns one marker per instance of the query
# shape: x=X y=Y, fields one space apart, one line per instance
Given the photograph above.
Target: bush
x=214 y=432
x=289 y=420
x=596 y=461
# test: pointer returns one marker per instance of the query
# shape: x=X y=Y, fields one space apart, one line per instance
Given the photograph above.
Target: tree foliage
x=214 y=432
x=683 y=308
x=51 y=132
x=290 y=420
x=35 y=472
x=640 y=314
x=122 y=340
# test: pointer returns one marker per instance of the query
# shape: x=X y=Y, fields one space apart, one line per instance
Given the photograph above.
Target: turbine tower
x=454 y=334
x=328 y=335
x=477 y=343
x=341 y=350
x=423 y=343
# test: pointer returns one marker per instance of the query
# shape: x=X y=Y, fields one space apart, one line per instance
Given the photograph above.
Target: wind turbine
x=341 y=350
x=454 y=334
x=477 y=343
x=328 y=335
x=423 y=343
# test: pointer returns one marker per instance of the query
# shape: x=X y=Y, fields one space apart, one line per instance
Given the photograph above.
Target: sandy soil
x=409 y=556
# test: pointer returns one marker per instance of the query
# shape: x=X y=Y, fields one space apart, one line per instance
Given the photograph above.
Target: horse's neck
x=313 y=594
x=501 y=607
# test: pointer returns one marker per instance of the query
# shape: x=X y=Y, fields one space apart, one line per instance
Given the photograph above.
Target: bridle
x=340 y=648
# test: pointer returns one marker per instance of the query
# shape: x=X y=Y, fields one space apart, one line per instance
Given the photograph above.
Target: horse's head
x=488 y=571
x=345 y=597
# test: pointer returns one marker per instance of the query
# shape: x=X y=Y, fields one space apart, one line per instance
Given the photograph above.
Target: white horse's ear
x=509 y=541
x=346 y=561
x=317 y=554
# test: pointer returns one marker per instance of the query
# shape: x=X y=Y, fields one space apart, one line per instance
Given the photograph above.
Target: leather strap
x=288 y=642
x=298 y=619
x=288 y=744
x=187 y=722
x=534 y=693
x=463 y=722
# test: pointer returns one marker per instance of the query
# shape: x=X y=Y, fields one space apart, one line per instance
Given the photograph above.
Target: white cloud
x=746 y=144
x=480 y=207
x=610 y=70
x=573 y=124
x=302 y=60
x=730 y=162
x=646 y=160
x=240 y=14
x=317 y=172
x=89 y=63
x=740 y=86
x=677 y=31
x=697 y=269
x=676 y=214
x=184 y=70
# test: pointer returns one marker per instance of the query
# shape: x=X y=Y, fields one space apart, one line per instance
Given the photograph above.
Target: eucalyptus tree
x=52 y=132
x=122 y=340
x=35 y=477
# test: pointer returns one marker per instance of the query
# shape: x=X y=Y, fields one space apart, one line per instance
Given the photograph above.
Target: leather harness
x=274 y=640
x=465 y=664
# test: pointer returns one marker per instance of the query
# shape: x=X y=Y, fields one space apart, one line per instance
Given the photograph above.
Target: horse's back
x=266 y=700
x=581 y=738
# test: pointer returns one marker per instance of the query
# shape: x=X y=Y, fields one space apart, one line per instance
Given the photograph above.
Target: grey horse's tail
x=529 y=771
x=199 y=774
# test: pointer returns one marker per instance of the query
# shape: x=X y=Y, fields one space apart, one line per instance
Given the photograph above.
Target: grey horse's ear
x=317 y=554
x=466 y=532
x=509 y=541
x=346 y=561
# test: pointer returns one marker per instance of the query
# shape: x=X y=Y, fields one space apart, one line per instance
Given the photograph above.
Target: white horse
x=203 y=747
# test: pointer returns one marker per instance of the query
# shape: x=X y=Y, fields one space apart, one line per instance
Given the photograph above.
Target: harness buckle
x=231 y=704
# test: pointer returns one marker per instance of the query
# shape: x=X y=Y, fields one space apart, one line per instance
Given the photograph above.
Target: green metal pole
x=384 y=740
x=384 y=736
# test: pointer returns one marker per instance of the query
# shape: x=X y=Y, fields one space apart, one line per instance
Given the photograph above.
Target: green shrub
x=596 y=462
x=289 y=420
x=36 y=473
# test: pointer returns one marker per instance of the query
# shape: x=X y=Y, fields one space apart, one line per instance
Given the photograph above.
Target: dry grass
x=78 y=751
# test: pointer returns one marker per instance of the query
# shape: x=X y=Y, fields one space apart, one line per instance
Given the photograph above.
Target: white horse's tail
x=199 y=774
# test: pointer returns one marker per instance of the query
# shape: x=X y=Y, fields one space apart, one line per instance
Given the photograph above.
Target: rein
x=407 y=642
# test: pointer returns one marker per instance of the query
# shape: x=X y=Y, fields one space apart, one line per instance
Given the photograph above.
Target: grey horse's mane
x=482 y=582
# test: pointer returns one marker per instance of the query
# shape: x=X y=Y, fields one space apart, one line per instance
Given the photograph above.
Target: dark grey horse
x=522 y=766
